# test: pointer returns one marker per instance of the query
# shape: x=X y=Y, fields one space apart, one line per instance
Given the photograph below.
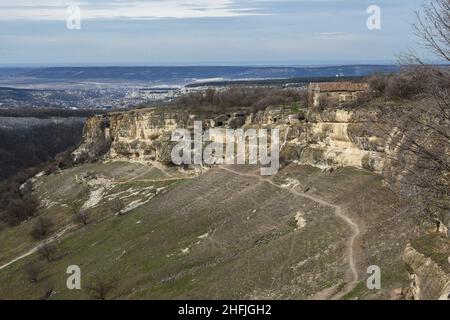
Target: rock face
x=334 y=138
x=136 y=135
x=429 y=281
x=340 y=138
x=96 y=139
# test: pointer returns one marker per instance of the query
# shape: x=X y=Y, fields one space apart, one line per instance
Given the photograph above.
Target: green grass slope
x=218 y=235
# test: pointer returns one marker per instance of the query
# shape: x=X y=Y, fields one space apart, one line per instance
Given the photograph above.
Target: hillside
x=164 y=232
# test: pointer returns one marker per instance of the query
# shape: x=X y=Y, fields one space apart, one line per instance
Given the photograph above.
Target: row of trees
x=27 y=147
x=237 y=98
x=100 y=285
x=17 y=202
x=46 y=113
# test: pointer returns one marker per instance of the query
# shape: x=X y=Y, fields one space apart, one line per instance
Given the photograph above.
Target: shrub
x=235 y=98
x=41 y=228
x=378 y=83
x=33 y=270
x=16 y=199
x=48 y=251
x=18 y=210
x=101 y=286
x=403 y=86
x=64 y=160
x=81 y=217
x=411 y=82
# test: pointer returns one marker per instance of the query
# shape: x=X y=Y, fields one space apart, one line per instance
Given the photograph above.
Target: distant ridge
x=186 y=75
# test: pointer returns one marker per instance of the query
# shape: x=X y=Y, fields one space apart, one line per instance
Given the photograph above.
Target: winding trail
x=55 y=237
x=21 y=257
x=338 y=211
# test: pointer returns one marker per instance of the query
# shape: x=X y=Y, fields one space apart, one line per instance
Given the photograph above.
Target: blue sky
x=204 y=32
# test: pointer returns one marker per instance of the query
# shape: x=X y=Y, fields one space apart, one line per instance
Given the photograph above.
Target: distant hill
x=185 y=75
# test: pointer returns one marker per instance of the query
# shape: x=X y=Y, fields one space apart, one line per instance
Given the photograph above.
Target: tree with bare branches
x=41 y=228
x=433 y=27
x=418 y=131
x=101 y=286
x=48 y=251
x=420 y=142
x=32 y=270
x=81 y=217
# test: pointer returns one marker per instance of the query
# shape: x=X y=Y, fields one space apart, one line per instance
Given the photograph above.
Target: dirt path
x=157 y=180
x=100 y=194
x=55 y=237
x=337 y=211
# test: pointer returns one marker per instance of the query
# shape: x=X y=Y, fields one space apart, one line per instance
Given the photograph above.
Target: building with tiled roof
x=334 y=92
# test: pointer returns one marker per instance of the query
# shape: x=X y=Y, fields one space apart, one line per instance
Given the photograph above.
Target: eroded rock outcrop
x=331 y=138
x=340 y=138
x=142 y=135
x=429 y=279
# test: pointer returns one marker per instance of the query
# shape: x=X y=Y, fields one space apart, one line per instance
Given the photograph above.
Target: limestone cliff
x=142 y=135
x=325 y=139
x=430 y=280
x=340 y=138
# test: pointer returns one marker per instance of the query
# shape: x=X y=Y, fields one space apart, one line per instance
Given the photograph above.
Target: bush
x=81 y=217
x=410 y=83
x=41 y=228
x=43 y=143
x=403 y=86
x=17 y=203
x=48 y=251
x=101 y=286
x=236 y=98
x=64 y=160
x=33 y=270
x=18 y=210
x=378 y=83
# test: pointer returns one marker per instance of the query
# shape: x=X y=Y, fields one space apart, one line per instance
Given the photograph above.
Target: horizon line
x=174 y=65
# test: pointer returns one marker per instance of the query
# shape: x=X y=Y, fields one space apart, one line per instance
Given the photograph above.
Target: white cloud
x=336 y=36
x=113 y=9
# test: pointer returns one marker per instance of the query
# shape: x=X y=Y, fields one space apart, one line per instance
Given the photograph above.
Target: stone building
x=334 y=92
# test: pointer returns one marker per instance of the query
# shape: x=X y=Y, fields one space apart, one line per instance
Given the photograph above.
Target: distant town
x=117 y=88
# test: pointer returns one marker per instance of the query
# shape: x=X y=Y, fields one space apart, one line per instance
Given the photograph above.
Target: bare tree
x=102 y=286
x=433 y=27
x=419 y=134
x=17 y=209
x=33 y=270
x=420 y=157
x=81 y=217
x=41 y=228
x=48 y=251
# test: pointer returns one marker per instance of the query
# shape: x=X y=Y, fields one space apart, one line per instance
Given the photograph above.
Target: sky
x=203 y=32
